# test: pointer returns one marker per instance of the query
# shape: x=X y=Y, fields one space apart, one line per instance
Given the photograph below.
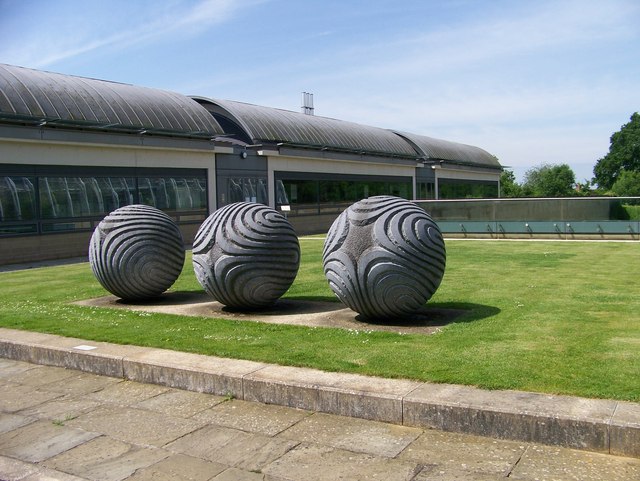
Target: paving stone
x=41 y=375
x=22 y=397
x=253 y=417
x=14 y=469
x=9 y=422
x=180 y=403
x=126 y=393
x=323 y=463
x=435 y=473
x=135 y=426
x=45 y=474
x=452 y=453
x=82 y=383
x=353 y=434
x=232 y=447
x=41 y=440
x=61 y=408
x=9 y=368
x=546 y=462
x=105 y=459
x=179 y=467
x=235 y=474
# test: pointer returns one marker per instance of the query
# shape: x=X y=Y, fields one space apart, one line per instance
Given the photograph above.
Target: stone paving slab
x=17 y=397
x=463 y=454
x=598 y=425
x=546 y=462
x=178 y=403
x=136 y=426
x=253 y=417
x=313 y=463
x=231 y=447
x=41 y=440
x=113 y=442
x=16 y=470
x=105 y=459
x=9 y=422
x=180 y=466
x=357 y=435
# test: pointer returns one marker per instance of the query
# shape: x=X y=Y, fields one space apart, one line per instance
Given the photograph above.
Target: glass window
x=60 y=203
x=452 y=189
x=116 y=192
x=55 y=200
x=95 y=202
x=17 y=198
x=246 y=189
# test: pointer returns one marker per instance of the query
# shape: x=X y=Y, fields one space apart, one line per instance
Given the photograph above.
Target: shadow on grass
x=439 y=315
x=320 y=311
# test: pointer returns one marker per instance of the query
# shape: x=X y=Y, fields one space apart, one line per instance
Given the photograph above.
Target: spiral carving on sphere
x=246 y=255
x=136 y=252
x=384 y=257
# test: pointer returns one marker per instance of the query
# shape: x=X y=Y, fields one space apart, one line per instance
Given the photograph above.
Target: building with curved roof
x=292 y=129
x=318 y=165
x=72 y=149
x=35 y=97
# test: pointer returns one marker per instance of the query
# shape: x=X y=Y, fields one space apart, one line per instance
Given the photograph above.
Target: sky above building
x=532 y=82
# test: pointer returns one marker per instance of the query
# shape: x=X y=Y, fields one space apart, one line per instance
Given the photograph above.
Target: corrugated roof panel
x=439 y=149
x=265 y=124
x=55 y=97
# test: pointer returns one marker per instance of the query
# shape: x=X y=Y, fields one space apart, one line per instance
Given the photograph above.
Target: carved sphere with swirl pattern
x=384 y=257
x=136 y=252
x=246 y=255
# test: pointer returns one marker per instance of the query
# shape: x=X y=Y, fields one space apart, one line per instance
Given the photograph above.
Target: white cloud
x=122 y=26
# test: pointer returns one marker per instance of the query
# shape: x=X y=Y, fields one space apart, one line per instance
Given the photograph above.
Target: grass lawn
x=553 y=317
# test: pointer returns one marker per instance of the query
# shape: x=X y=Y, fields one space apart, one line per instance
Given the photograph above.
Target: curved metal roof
x=438 y=149
x=270 y=125
x=42 y=97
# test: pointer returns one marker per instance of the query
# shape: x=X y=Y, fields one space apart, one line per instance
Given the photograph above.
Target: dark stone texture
x=246 y=255
x=384 y=257
x=136 y=252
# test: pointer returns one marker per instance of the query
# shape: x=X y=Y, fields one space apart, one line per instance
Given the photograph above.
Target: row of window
x=461 y=189
x=26 y=200
x=329 y=196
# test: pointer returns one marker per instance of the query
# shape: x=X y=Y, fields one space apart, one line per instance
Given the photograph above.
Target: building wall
x=36 y=147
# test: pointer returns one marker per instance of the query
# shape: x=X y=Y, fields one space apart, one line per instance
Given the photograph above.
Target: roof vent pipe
x=307 y=103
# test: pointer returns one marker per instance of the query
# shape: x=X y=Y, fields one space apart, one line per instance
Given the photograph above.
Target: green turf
x=554 y=317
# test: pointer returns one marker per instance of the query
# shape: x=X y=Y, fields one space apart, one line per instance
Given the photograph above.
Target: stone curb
x=598 y=425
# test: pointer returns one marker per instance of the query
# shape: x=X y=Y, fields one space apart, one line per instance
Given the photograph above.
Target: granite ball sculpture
x=136 y=252
x=246 y=255
x=384 y=257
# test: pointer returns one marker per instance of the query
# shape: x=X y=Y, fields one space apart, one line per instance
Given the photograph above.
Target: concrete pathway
x=62 y=424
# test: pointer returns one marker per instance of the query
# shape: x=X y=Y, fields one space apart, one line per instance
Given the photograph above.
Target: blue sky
x=532 y=82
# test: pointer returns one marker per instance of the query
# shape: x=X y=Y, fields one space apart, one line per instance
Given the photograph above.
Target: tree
x=549 y=181
x=508 y=185
x=628 y=184
x=624 y=154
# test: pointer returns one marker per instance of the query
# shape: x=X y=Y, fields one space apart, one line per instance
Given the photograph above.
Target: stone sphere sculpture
x=384 y=257
x=246 y=255
x=136 y=252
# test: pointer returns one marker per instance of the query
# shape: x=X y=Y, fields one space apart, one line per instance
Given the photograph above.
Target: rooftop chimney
x=307 y=103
